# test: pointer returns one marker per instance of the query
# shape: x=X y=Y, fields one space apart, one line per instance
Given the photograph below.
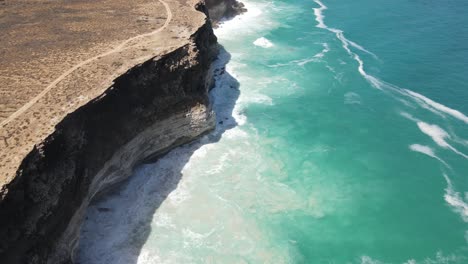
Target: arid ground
x=56 y=56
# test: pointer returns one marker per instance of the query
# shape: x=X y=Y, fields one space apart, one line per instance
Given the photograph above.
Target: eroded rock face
x=152 y=108
x=220 y=9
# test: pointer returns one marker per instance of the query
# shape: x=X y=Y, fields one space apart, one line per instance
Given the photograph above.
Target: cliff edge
x=224 y=9
x=90 y=90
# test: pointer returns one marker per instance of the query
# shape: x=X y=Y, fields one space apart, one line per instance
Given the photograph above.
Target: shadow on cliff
x=118 y=225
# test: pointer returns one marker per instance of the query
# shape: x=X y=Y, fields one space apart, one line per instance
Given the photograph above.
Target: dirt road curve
x=83 y=63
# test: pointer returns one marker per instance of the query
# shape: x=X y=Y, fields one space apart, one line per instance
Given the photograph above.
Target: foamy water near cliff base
x=315 y=159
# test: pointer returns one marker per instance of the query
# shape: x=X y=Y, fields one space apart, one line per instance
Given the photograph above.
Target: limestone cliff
x=151 y=108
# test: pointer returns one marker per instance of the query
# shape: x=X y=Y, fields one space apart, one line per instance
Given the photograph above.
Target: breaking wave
x=263 y=42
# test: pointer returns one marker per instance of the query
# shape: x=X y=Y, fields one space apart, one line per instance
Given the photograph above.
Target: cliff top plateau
x=58 y=55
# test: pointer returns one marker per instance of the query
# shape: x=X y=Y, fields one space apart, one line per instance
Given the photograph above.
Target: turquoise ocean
x=342 y=138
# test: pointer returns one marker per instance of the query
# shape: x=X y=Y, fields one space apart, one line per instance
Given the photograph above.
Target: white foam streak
x=316 y=58
x=435 y=132
x=439 y=136
x=371 y=79
x=426 y=151
x=458 y=152
x=369 y=260
x=422 y=149
x=361 y=48
x=300 y=62
x=318 y=12
x=440 y=107
x=304 y=61
x=321 y=54
x=409 y=116
x=339 y=34
x=319 y=17
x=454 y=199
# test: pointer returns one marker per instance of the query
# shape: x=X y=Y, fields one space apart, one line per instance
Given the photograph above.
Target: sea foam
x=426 y=151
x=250 y=22
x=263 y=42
x=439 y=136
x=422 y=149
x=440 y=107
x=301 y=62
x=435 y=132
x=319 y=17
x=321 y=54
x=454 y=199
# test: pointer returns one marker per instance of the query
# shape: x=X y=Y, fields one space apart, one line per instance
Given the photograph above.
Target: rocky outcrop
x=220 y=9
x=152 y=108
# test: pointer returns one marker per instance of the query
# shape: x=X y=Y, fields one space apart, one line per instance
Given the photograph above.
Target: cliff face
x=220 y=9
x=152 y=108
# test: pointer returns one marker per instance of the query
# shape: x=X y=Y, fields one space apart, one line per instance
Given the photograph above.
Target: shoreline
x=161 y=180
x=53 y=208
x=160 y=177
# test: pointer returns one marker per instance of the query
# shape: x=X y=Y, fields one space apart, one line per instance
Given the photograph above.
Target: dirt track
x=81 y=64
